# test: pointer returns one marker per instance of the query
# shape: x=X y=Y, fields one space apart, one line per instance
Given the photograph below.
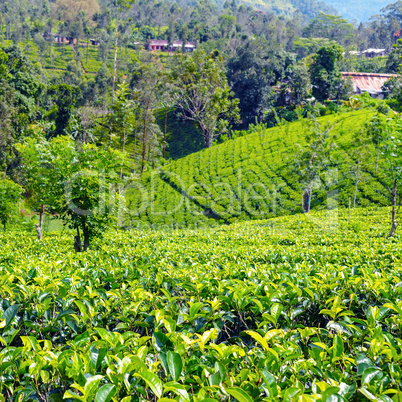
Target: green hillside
x=252 y=177
x=288 y=8
x=277 y=6
x=54 y=58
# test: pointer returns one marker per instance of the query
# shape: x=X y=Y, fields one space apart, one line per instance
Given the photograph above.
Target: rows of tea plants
x=297 y=308
x=57 y=56
x=253 y=177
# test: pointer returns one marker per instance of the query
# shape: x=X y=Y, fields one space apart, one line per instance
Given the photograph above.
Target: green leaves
x=239 y=394
x=263 y=341
x=10 y=314
x=105 y=393
x=152 y=381
x=175 y=364
x=259 y=339
x=64 y=313
x=270 y=384
x=337 y=347
x=108 y=327
x=97 y=356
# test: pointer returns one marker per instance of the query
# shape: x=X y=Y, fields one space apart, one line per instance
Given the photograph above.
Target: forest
x=200 y=201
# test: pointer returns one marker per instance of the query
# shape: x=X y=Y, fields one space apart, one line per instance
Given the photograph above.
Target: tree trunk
x=86 y=237
x=208 y=139
x=307 y=201
x=77 y=242
x=39 y=226
x=135 y=143
x=164 y=136
x=144 y=148
x=123 y=149
x=349 y=210
x=355 y=194
x=113 y=82
x=394 y=202
x=114 y=66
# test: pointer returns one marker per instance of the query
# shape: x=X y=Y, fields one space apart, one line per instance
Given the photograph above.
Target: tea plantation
x=253 y=177
x=297 y=308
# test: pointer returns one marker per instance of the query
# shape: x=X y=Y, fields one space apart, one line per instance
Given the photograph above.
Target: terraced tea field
x=253 y=177
x=297 y=308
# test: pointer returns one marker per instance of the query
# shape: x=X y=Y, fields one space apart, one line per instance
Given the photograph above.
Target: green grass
x=303 y=305
x=252 y=177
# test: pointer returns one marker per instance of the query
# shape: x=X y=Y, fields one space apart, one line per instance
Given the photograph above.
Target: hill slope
x=251 y=177
x=360 y=10
x=309 y=8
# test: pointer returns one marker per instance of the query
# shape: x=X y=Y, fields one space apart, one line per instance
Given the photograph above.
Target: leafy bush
x=293 y=308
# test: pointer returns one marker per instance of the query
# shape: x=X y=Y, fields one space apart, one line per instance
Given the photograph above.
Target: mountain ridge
x=359 y=10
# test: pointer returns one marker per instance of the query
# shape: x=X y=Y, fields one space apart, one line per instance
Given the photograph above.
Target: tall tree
x=118 y=7
x=394 y=59
x=325 y=75
x=299 y=83
x=393 y=164
x=123 y=119
x=203 y=95
x=76 y=182
x=65 y=98
x=313 y=159
x=19 y=95
x=148 y=82
x=331 y=27
x=253 y=72
x=74 y=15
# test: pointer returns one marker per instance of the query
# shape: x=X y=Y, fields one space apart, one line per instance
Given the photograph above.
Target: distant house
x=355 y=53
x=371 y=53
x=95 y=42
x=368 y=82
x=56 y=38
x=397 y=35
x=163 y=46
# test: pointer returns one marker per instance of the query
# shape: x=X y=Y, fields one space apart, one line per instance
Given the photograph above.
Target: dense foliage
x=194 y=303
x=297 y=308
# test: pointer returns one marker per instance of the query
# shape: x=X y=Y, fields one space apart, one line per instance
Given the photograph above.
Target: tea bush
x=297 y=308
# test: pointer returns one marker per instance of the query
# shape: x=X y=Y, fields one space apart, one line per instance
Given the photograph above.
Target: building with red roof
x=368 y=82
